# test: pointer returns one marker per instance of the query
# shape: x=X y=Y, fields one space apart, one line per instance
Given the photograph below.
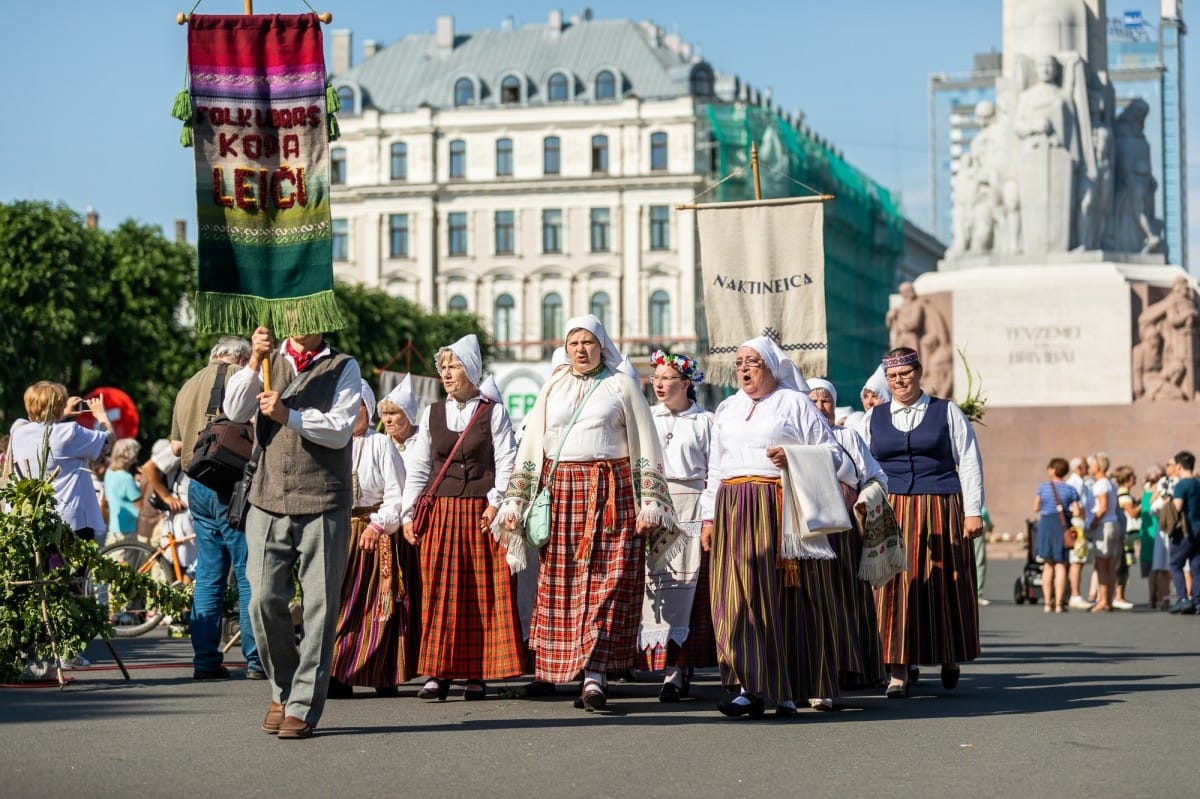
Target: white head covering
x=820 y=382
x=840 y=412
x=489 y=388
x=854 y=420
x=466 y=350
x=592 y=324
x=368 y=398
x=558 y=359
x=786 y=373
x=404 y=398
x=878 y=383
x=629 y=370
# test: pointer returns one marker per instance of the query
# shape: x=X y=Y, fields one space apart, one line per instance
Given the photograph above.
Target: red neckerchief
x=302 y=359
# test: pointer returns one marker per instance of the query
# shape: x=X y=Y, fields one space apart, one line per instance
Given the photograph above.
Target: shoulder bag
x=222 y=446
x=423 y=507
x=1070 y=534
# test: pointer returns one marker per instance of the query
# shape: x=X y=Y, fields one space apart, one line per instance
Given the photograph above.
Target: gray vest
x=296 y=476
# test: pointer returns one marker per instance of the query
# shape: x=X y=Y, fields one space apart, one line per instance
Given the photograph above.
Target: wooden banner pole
x=753 y=167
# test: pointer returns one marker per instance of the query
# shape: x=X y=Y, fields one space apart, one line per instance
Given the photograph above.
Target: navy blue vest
x=920 y=461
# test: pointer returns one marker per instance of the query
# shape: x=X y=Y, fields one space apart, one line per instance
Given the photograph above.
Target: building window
x=346 y=100
x=502 y=324
x=398 y=235
x=399 y=161
x=702 y=82
x=606 y=86
x=558 y=89
x=658 y=150
x=600 y=224
x=552 y=230
x=341 y=240
x=458 y=303
x=510 y=90
x=552 y=322
x=660 y=227
x=457 y=228
x=660 y=314
x=337 y=166
x=552 y=155
x=504 y=233
x=601 y=308
x=504 y=158
x=464 y=92
x=600 y=153
x=458 y=158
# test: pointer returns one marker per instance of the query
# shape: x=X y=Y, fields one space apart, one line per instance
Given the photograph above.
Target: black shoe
x=439 y=691
x=670 y=693
x=339 y=690
x=219 y=673
x=480 y=691
x=950 y=677
x=914 y=674
x=1182 y=606
x=785 y=712
x=593 y=700
x=255 y=674
x=539 y=688
x=734 y=709
x=388 y=691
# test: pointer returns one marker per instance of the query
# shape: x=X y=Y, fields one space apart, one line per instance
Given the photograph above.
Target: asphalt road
x=1077 y=705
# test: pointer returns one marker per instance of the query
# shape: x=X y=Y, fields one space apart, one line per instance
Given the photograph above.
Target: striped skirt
x=591 y=574
x=772 y=639
x=369 y=649
x=859 y=654
x=929 y=615
x=469 y=623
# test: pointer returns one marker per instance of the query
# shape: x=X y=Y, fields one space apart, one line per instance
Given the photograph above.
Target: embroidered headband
x=687 y=367
x=904 y=359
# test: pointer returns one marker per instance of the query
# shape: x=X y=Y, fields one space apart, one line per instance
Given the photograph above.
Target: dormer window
x=464 y=92
x=558 y=88
x=510 y=90
x=606 y=86
x=346 y=99
x=702 y=81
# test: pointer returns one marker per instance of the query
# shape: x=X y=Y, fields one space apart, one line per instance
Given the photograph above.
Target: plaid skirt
x=591 y=573
x=929 y=615
x=469 y=623
x=858 y=650
x=369 y=649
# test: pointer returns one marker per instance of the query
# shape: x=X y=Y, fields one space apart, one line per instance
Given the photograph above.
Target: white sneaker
x=77 y=662
x=1122 y=604
x=1080 y=603
x=983 y=603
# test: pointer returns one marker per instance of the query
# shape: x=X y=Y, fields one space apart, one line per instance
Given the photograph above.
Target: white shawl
x=812 y=504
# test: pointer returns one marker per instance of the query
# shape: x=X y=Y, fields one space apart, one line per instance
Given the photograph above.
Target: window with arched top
x=702 y=82
x=345 y=96
x=458 y=303
x=601 y=308
x=660 y=313
x=558 y=89
x=552 y=321
x=606 y=86
x=510 y=90
x=502 y=324
x=464 y=92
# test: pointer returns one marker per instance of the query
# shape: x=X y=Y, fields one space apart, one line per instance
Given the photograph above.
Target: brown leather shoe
x=293 y=727
x=274 y=719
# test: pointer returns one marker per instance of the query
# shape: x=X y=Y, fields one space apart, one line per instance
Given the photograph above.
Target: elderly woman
x=860 y=658
x=398 y=412
x=122 y=492
x=463 y=457
x=369 y=648
x=50 y=444
x=676 y=633
x=929 y=613
x=591 y=440
x=763 y=614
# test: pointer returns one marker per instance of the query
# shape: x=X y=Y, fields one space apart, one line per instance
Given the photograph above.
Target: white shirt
x=1103 y=486
x=686 y=438
x=332 y=429
x=419 y=457
x=740 y=444
x=860 y=467
x=380 y=471
x=600 y=431
x=71 y=446
x=962 y=442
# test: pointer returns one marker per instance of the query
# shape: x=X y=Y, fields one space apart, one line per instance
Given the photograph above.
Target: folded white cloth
x=812 y=503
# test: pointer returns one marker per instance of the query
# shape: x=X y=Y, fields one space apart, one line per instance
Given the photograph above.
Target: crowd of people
x=802 y=554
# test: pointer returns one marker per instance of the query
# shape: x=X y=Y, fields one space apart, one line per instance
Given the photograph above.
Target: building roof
x=415 y=70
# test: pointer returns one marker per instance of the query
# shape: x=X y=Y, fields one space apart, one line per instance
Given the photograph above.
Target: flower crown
x=687 y=367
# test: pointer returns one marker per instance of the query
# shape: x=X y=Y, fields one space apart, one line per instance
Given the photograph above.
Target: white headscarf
x=786 y=373
x=629 y=370
x=592 y=324
x=878 y=383
x=489 y=388
x=820 y=382
x=404 y=398
x=466 y=350
x=558 y=359
x=368 y=398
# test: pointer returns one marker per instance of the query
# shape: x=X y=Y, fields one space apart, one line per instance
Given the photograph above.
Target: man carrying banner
x=299 y=512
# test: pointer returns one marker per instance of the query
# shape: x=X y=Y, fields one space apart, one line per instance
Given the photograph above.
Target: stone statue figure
x=915 y=323
x=906 y=322
x=1164 y=358
x=1096 y=181
x=1134 y=227
x=1045 y=121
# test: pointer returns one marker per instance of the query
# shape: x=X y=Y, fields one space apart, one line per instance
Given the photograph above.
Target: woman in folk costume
x=369 y=647
x=398 y=411
x=770 y=635
x=676 y=632
x=929 y=613
x=860 y=657
x=874 y=392
x=463 y=457
x=609 y=492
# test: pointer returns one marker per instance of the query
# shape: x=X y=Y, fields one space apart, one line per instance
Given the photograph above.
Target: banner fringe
x=292 y=316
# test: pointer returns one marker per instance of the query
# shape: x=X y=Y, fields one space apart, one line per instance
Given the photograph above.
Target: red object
x=121 y=411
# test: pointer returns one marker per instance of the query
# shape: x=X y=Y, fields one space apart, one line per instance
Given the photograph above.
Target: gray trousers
x=316 y=547
x=979 y=546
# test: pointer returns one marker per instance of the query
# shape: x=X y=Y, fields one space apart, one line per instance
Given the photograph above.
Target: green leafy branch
x=974 y=402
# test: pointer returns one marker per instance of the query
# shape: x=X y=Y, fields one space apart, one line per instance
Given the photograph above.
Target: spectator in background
x=1056 y=503
x=1156 y=567
x=1106 y=530
x=1185 y=538
x=1129 y=515
x=979 y=547
x=122 y=492
x=1080 y=480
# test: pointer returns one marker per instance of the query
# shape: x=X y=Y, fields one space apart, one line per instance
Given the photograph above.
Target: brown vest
x=296 y=476
x=472 y=473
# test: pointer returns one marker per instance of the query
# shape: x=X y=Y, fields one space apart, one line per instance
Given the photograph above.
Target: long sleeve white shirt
x=380 y=471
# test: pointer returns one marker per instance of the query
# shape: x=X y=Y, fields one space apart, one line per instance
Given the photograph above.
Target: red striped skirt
x=929 y=615
x=469 y=623
x=591 y=573
x=858 y=650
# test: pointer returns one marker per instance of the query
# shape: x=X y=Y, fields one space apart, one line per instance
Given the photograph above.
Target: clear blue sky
x=87 y=87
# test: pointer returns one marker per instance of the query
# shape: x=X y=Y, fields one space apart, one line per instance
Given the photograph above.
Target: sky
x=88 y=86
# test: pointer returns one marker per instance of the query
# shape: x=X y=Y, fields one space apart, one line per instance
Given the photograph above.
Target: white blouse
x=686 y=438
x=418 y=451
x=599 y=432
x=381 y=475
x=860 y=467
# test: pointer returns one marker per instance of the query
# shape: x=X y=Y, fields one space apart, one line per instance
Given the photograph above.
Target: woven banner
x=260 y=127
x=763 y=267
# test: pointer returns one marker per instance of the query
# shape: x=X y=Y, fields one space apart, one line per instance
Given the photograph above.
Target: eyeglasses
x=667 y=380
x=748 y=363
x=900 y=377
